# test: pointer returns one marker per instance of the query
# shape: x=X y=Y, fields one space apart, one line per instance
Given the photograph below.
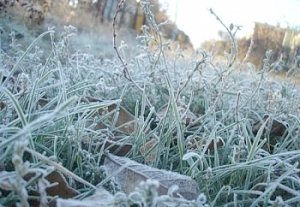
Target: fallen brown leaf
x=150 y=157
x=129 y=174
x=124 y=120
x=206 y=144
x=186 y=116
x=58 y=187
x=117 y=148
x=275 y=127
x=62 y=189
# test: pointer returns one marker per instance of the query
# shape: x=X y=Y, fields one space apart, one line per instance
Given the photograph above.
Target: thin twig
x=233 y=51
x=145 y=4
x=124 y=64
x=198 y=64
x=249 y=51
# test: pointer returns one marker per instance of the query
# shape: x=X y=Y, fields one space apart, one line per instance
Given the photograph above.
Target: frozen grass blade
x=28 y=128
x=179 y=134
x=16 y=105
x=25 y=53
x=257 y=143
x=21 y=116
x=59 y=168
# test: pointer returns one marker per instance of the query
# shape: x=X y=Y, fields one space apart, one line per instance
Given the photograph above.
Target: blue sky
x=194 y=18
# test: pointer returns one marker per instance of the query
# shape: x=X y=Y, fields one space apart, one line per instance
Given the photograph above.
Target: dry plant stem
x=250 y=49
x=189 y=78
x=124 y=64
x=125 y=69
x=266 y=62
x=153 y=25
x=59 y=167
x=233 y=50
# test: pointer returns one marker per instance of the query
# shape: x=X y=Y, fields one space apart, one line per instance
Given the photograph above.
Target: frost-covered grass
x=194 y=102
